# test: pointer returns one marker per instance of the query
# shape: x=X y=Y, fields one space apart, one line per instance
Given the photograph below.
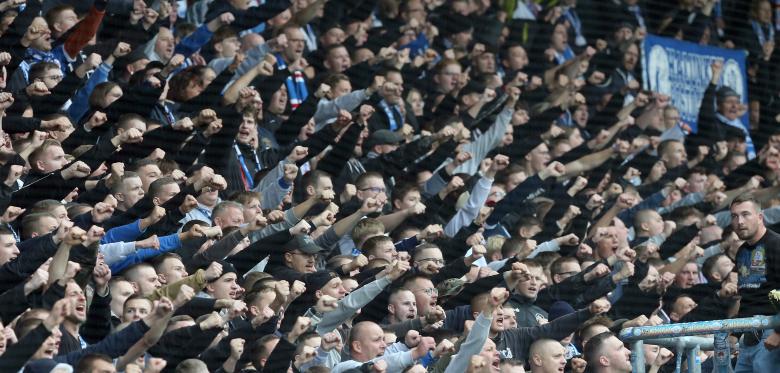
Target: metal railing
x=680 y=338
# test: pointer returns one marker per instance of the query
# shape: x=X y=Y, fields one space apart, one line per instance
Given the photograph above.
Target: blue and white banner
x=682 y=70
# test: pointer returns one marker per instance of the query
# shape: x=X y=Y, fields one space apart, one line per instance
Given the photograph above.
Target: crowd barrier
x=681 y=338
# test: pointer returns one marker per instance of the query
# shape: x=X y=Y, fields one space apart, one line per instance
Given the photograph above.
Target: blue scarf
x=295 y=83
x=33 y=56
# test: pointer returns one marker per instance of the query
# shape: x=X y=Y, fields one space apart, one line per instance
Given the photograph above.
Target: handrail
x=700 y=327
x=680 y=337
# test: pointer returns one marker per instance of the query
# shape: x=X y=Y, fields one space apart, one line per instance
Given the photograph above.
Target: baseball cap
x=384 y=137
x=304 y=244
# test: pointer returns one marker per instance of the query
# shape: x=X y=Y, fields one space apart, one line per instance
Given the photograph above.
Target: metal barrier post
x=694 y=361
x=722 y=362
x=638 y=357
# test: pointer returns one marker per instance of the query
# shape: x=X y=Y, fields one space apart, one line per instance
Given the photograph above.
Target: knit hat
x=559 y=309
x=725 y=92
x=317 y=280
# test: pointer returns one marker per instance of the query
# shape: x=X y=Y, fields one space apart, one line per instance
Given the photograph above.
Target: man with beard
x=758 y=268
x=401 y=306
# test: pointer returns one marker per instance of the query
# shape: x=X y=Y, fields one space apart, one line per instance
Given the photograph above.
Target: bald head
x=547 y=356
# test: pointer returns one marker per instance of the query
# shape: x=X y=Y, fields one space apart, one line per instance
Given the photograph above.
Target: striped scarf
x=295 y=83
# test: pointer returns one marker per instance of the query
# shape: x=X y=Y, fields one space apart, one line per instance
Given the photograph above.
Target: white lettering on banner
x=682 y=71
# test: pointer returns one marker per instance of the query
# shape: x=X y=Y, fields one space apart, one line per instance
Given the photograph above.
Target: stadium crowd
x=377 y=185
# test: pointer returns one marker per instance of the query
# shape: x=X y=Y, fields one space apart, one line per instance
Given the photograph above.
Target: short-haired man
x=605 y=353
x=547 y=356
x=758 y=267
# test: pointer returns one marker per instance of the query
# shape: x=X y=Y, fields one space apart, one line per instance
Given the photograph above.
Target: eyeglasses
x=374 y=189
x=434 y=260
x=55 y=77
x=428 y=291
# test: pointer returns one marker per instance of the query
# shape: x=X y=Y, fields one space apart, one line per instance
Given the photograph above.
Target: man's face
x=729 y=107
x=371 y=187
x=165 y=44
x=225 y=287
x=300 y=261
x=568 y=269
x=50 y=346
x=447 y=79
x=409 y=199
x=486 y=63
x=655 y=224
x=619 y=356
x=671 y=118
x=723 y=266
x=136 y=309
x=403 y=306
x=46 y=225
x=147 y=280
x=429 y=261
x=296 y=42
x=559 y=38
x=341 y=88
x=490 y=353
x=167 y=192
x=173 y=270
x=334 y=288
x=53 y=158
x=229 y=217
x=148 y=175
x=252 y=210
x=552 y=360
x=208 y=196
x=8 y=249
x=334 y=36
x=510 y=318
x=682 y=306
x=394 y=96
x=371 y=341
x=65 y=21
x=132 y=191
x=338 y=60
x=746 y=221
x=530 y=288
x=323 y=184
x=696 y=182
x=425 y=294
x=385 y=250
x=120 y=291
x=76 y=296
x=631 y=57
x=42 y=43
x=51 y=77
x=247 y=130
x=674 y=155
x=606 y=242
x=538 y=158
x=229 y=46
x=688 y=276
x=518 y=58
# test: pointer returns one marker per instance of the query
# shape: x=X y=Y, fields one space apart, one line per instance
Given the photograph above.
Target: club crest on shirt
x=758 y=258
